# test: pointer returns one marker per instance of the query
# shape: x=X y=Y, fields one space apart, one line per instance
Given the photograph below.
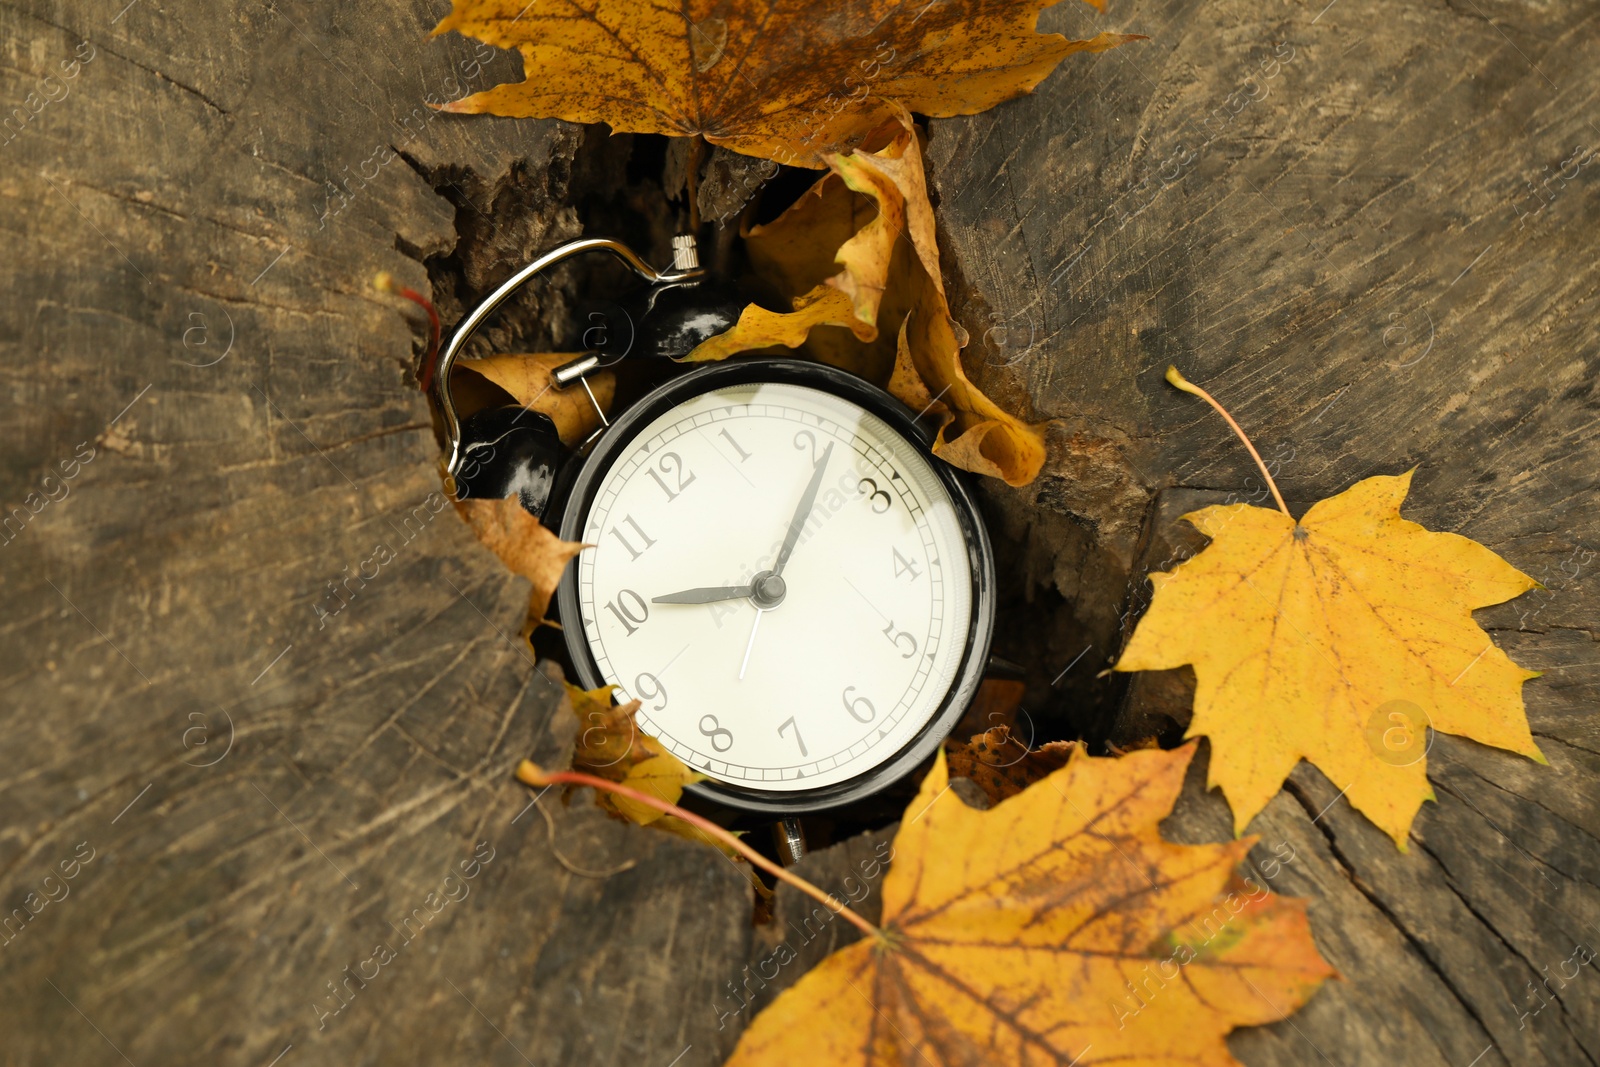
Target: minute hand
x=798 y=523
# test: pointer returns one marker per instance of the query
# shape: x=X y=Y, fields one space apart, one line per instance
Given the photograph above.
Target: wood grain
x=1322 y=213
x=239 y=173
x=1350 y=256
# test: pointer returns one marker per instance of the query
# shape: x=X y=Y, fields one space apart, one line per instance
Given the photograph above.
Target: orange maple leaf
x=1055 y=928
x=781 y=79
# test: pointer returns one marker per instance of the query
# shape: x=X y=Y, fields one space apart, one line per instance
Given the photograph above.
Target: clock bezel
x=980 y=557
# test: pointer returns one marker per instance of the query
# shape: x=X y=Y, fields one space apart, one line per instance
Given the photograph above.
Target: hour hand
x=705 y=595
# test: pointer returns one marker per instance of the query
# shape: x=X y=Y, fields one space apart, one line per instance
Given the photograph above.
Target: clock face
x=782 y=579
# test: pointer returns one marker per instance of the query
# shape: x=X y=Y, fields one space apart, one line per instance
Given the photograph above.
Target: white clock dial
x=827 y=671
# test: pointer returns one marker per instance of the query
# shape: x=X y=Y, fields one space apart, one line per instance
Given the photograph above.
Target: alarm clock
x=800 y=595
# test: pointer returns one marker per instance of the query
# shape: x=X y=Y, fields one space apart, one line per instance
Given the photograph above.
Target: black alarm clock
x=798 y=593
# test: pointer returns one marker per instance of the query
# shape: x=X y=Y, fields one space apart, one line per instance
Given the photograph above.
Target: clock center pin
x=768 y=591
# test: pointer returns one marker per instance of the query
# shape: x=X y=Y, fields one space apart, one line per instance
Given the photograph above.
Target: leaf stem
x=385 y=283
x=1179 y=381
x=532 y=774
x=697 y=149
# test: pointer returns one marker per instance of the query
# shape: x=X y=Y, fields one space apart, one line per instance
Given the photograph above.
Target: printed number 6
x=852 y=706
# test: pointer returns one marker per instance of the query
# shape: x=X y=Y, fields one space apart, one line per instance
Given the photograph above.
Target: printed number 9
x=656 y=689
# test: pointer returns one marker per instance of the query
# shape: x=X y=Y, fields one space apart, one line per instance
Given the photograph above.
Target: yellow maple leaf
x=779 y=80
x=859 y=259
x=1316 y=639
x=1055 y=928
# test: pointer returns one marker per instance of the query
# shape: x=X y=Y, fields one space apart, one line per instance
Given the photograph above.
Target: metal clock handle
x=685 y=267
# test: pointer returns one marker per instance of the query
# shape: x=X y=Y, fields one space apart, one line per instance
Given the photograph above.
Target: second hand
x=751 y=643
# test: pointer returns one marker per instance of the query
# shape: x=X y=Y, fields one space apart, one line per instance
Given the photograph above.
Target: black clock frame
x=980 y=557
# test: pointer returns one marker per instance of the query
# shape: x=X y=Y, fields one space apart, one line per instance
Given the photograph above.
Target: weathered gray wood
x=1354 y=262
x=1356 y=265
x=171 y=203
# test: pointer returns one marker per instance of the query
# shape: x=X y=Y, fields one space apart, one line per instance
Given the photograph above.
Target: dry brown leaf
x=611 y=746
x=893 y=178
x=977 y=434
x=799 y=254
x=1002 y=765
x=759 y=328
x=996 y=703
x=834 y=224
x=523 y=545
x=797 y=250
x=900 y=327
x=774 y=80
x=906 y=385
x=527 y=379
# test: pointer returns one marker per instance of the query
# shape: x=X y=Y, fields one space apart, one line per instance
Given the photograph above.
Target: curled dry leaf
x=611 y=746
x=977 y=434
x=1336 y=639
x=884 y=314
x=527 y=379
x=759 y=328
x=1002 y=765
x=523 y=545
x=1055 y=928
x=775 y=80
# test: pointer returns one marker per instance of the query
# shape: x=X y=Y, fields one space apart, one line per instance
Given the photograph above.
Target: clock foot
x=791 y=841
x=996 y=667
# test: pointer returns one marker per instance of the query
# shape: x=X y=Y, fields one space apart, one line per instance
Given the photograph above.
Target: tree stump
x=264 y=693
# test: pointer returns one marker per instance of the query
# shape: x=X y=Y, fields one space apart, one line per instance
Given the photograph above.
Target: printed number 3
x=873 y=494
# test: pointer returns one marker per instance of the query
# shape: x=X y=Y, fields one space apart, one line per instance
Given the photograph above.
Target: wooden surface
x=178 y=188
x=1342 y=261
x=1349 y=256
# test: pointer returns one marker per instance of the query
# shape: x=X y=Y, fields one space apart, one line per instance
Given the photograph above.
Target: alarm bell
x=512 y=450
